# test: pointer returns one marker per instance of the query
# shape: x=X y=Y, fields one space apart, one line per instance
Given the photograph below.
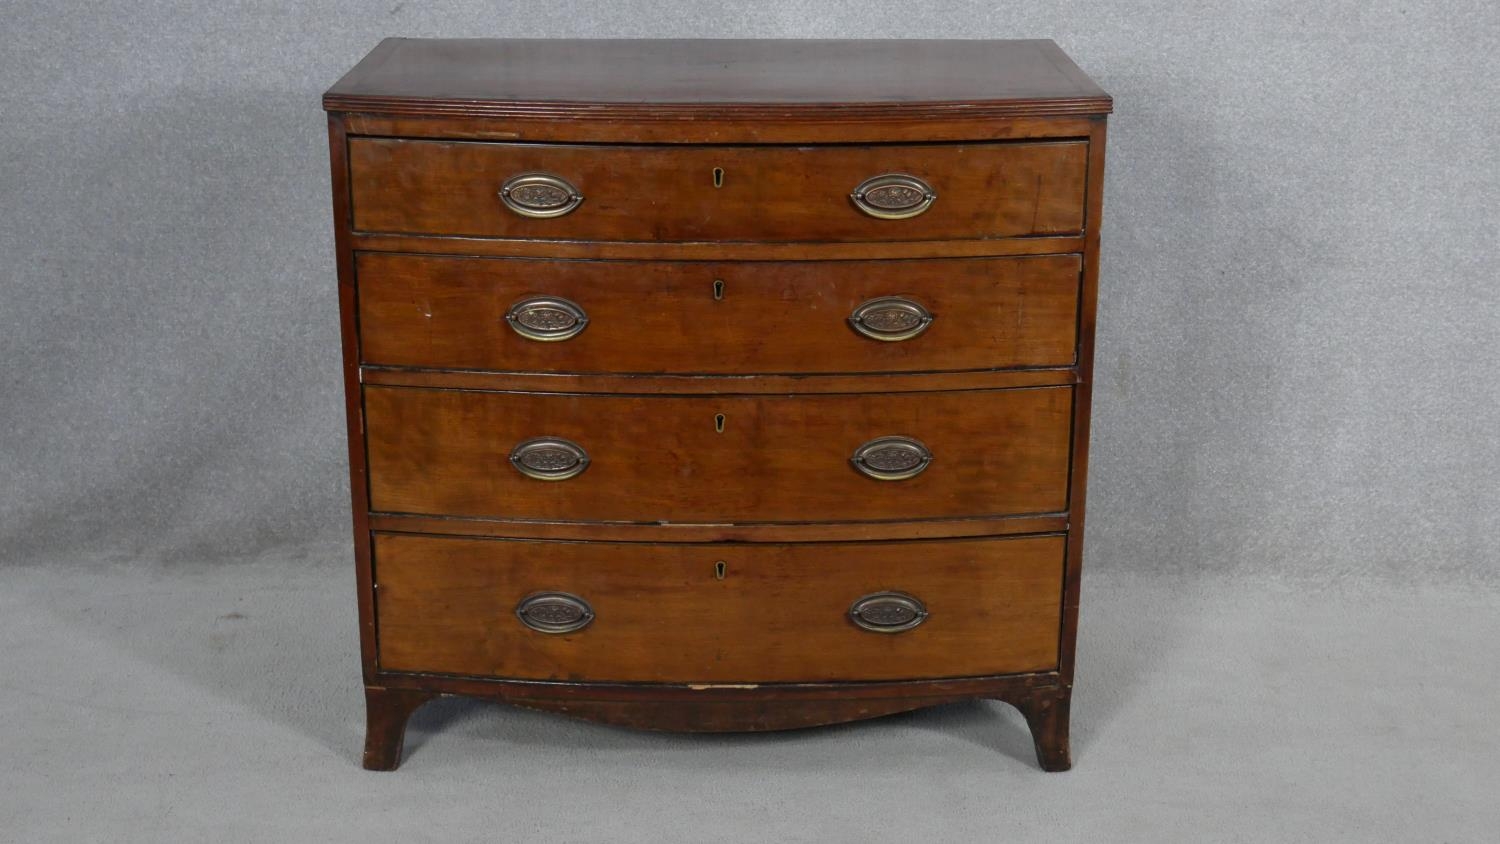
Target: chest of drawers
x=717 y=385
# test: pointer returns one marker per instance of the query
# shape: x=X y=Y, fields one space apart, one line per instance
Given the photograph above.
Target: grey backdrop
x=1293 y=592
x=1297 y=357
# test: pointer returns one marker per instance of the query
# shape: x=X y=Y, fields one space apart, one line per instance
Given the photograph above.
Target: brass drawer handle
x=554 y=612
x=546 y=318
x=549 y=458
x=890 y=318
x=892 y=458
x=893 y=196
x=887 y=612
x=539 y=195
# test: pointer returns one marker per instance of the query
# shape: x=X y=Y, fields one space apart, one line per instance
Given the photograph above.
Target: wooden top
x=716 y=79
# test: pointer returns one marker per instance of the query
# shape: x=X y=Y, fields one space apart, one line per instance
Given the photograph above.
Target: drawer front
x=664 y=458
x=717 y=318
x=673 y=193
x=670 y=613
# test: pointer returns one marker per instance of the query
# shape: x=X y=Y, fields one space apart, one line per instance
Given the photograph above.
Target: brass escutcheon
x=890 y=319
x=539 y=195
x=892 y=458
x=554 y=612
x=549 y=458
x=887 y=612
x=546 y=318
x=893 y=196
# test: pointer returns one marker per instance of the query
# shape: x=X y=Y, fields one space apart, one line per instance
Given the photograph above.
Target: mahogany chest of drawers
x=717 y=385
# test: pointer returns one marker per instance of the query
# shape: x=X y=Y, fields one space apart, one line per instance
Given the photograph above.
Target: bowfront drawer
x=718 y=458
x=726 y=613
x=695 y=193
x=527 y=315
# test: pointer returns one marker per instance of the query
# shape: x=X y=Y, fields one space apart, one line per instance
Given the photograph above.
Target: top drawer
x=698 y=193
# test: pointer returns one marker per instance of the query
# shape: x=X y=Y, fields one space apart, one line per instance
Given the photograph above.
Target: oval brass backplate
x=890 y=319
x=893 y=196
x=892 y=458
x=554 y=612
x=539 y=195
x=887 y=612
x=547 y=319
x=549 y=458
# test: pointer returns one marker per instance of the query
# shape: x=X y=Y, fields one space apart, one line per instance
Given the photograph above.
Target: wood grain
x=386 y=714
x=659 y=317
x=769 y=193
x=359 y=488
x=779 y=614
x=694 y=79
x=743 y=532
x=884 y=382
x=827 y=126
x=1082 y=420
x=659 y=458
x=626 y=250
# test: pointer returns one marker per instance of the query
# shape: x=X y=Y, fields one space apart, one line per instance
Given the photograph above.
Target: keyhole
x=718 y=177
x=719 y=423
x=718 y=290
x=720 y=569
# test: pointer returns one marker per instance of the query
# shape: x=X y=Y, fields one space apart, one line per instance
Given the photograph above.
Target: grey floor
x=221 y=703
